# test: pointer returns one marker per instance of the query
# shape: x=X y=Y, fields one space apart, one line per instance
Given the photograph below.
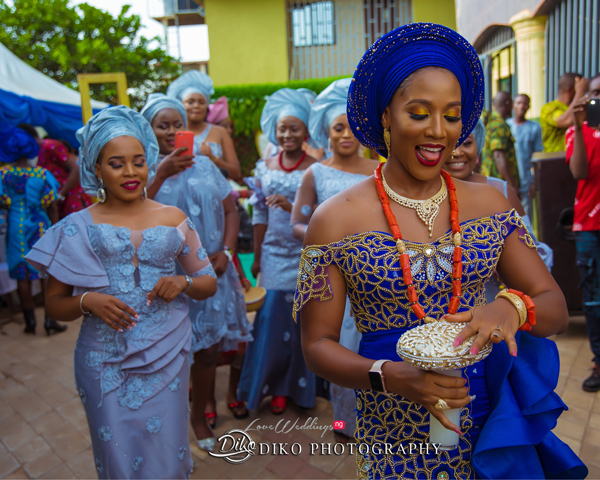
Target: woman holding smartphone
x=219 y=323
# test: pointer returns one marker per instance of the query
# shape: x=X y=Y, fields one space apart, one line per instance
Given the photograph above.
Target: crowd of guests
x=510 y=142
x=166 y=225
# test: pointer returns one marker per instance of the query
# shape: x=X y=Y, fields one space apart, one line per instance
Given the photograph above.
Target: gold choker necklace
x=427 y=210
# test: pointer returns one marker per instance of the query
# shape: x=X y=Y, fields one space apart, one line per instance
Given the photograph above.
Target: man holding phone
x=583 y=157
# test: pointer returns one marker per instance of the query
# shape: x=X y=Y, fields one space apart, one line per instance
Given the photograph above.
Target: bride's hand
x=496 y=321
x=427 y=388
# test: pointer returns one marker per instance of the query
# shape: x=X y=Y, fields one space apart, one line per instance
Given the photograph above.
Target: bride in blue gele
x=410 y=243
x=115 y=263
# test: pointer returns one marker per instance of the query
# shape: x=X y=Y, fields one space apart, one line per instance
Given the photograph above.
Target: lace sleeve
x=313 y=276
x=192 y=256
x=511 y=221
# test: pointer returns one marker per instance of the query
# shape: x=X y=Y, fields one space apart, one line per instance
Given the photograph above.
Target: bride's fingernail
x=133 y=324
x=473 y=397
x=458 y=431
x=474 y=351
x=148 y=302
x=137 y=317
x=129 y=327
x=120 y=330
x=457 y=342
x=514 y=353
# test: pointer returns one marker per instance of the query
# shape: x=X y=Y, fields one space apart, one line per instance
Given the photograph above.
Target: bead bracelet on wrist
x=524 y=306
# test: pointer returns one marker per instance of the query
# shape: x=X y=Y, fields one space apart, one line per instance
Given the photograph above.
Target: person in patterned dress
x=416 y=94
x=498 y=157
x=27 y=193
x=55 y=157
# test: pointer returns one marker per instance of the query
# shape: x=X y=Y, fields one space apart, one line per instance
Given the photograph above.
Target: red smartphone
x=185 y=139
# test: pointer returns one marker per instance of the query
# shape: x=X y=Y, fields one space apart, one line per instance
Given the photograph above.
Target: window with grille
x=313 y=24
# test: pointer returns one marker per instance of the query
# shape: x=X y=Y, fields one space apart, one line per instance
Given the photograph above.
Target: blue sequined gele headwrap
x=394 y=57
x=283 y=103
x=16 y=143
x=190 y=82
x=329 y=104
x=159 y=101
x=104 y=126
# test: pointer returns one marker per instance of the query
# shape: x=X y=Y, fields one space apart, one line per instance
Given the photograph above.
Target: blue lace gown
x=329 y=182
x=26 y=193
x=507 y=429
x=133 y=385
x=199 y=191
x=274 y=364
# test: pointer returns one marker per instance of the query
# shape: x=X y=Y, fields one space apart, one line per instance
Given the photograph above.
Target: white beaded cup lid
x=430 y=347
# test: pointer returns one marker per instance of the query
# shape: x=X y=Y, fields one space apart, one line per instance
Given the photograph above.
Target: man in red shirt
x=583 y=157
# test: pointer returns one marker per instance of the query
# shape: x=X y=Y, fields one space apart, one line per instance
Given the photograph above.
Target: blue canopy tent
x=28 y=96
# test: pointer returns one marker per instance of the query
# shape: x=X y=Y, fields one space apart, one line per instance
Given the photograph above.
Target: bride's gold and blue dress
x=508 y=427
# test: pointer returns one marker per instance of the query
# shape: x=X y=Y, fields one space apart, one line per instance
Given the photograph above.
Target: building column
x=530 y=34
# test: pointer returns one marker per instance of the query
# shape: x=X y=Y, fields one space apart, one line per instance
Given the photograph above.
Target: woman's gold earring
x=388 y=141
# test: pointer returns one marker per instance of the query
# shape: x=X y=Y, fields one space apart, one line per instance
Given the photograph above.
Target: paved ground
x=44 y=433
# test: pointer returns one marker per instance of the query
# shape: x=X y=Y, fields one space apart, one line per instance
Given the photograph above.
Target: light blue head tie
x=104 y=126
x=329 y=104
x=190 y=82
x=159 y=101
x=283 y=103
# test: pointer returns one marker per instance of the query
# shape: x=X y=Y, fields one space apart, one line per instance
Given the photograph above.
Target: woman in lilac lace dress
x=274 y=364
x=115 y=262
x=219 y=324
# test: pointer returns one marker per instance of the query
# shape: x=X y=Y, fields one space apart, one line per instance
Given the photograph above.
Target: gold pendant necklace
x=427 y=210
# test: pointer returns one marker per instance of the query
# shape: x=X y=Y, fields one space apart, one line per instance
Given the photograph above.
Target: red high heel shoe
x=211 y=418
x=278 y=404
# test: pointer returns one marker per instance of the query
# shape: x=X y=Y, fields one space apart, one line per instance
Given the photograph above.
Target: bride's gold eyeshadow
x=453 y=112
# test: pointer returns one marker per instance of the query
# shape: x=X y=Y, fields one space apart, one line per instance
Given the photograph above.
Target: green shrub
x=246 y=102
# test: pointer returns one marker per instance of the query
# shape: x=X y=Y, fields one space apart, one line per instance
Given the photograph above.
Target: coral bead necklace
x=294 y=167
x=457 y=265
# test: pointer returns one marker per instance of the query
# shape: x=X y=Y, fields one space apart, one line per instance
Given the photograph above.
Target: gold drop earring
x=388 y=141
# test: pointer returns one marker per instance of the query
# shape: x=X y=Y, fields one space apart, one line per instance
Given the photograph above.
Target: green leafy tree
x=62 y=41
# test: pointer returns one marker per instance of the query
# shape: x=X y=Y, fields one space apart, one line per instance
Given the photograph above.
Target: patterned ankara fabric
x=26 y=193
x=502 y=438
x=499 y=137
x=53 y=156
x=553 y=136
x=133 y=385
x=392 y=58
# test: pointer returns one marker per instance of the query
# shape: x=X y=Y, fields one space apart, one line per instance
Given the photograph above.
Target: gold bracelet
x=517 y=302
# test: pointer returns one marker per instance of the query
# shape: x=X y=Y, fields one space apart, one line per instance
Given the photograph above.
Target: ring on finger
x=496 y=330
x=442 y=405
